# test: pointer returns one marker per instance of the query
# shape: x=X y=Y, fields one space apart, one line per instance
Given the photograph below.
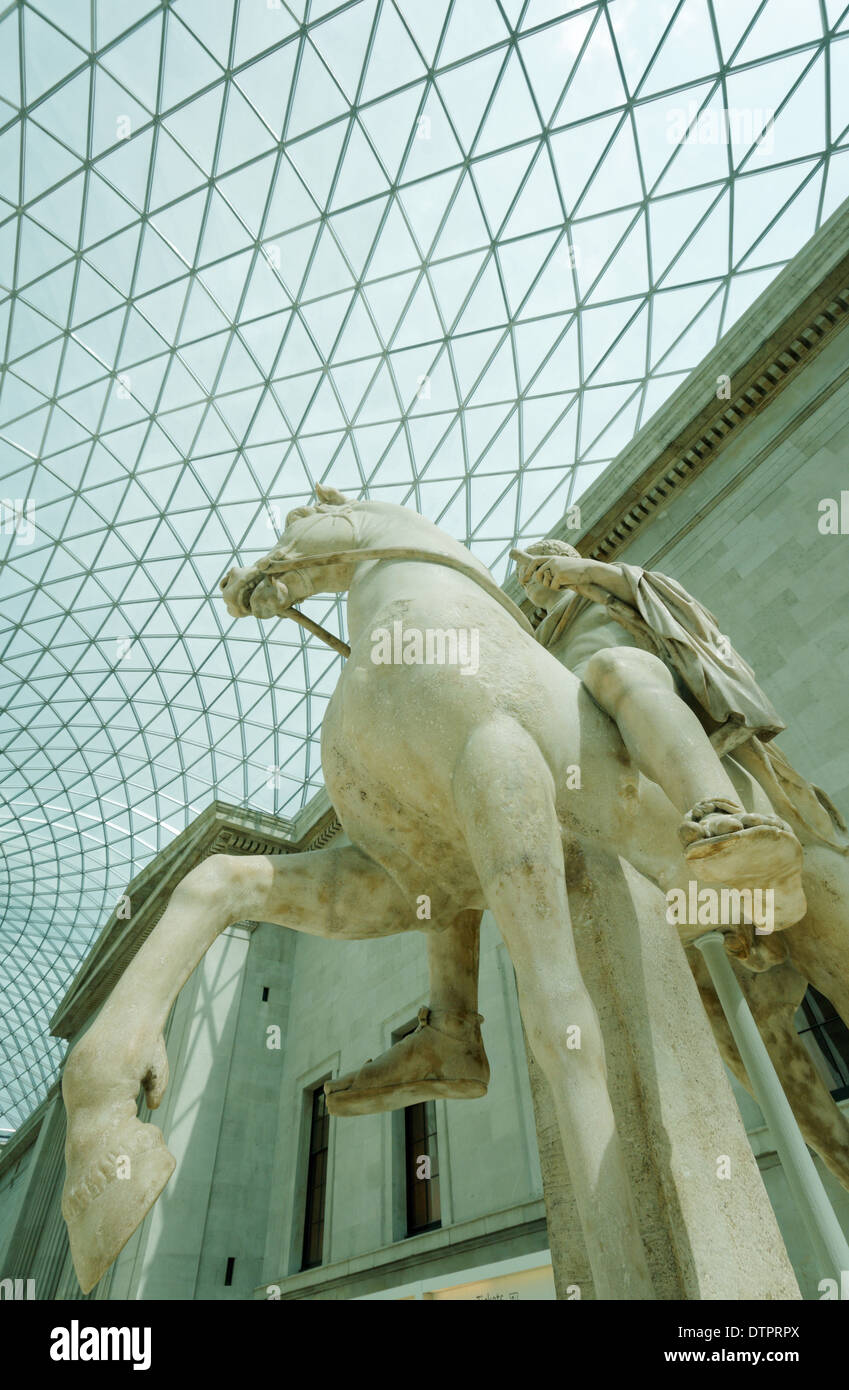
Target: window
x=817 y=1022
x=422 y=1168
x=418 y=1144
x=316 y=1181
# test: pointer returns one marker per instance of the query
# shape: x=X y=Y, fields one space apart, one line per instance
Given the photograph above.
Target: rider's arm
x=586 y=576
x=607 y=577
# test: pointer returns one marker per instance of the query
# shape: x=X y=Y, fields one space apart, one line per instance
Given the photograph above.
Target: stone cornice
x=444 y=1250
x=219 y=829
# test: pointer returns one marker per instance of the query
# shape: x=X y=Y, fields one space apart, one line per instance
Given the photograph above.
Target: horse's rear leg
x=819 y=945
x=445 y=1056
x=774 y=996
x=332 y=892
x=504 y=795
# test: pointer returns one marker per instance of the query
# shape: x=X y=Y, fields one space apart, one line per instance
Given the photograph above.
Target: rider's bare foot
x=744 y=849
x=444 y=1057
x=115 y=1166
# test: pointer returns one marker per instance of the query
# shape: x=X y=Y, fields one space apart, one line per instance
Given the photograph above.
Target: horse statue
x=451 y=780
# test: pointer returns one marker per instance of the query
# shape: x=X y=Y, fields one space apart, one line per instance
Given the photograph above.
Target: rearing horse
x=448 y=784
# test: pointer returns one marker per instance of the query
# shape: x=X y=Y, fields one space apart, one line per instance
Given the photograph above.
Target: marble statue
x=451 y=778
x=634 y=638
x=653 y=611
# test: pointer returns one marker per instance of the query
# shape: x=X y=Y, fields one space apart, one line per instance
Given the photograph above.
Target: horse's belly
x=393 y=736
x=402 y=819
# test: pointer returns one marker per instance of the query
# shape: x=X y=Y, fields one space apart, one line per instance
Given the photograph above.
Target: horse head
x=275 y=582
x=335 y=525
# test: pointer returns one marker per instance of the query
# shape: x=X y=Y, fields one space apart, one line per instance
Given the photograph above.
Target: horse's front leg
x=116 y=1166
x=504 y=795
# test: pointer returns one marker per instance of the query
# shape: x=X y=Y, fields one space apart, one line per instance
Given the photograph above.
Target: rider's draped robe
x=718 y=684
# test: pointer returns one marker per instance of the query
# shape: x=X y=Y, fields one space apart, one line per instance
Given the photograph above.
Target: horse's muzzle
x=237 y=587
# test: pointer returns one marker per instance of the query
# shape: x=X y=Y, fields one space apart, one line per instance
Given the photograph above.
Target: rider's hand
x=551 y=571
x=270 y=598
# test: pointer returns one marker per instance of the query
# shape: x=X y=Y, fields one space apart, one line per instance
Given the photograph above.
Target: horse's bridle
x=273 y=566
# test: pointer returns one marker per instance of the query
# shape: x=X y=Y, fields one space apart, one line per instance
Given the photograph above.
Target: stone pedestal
x=705 y=1218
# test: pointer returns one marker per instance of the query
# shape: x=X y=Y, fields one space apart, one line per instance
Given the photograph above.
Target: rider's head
x=540 y=596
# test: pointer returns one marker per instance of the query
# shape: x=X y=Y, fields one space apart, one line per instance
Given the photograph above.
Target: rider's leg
x=332 y=892
x=725 y=844
x=662 y=734
x=445 y=1055
x=505 y=799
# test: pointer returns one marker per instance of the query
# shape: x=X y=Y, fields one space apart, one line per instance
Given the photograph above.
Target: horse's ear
x=330 y=496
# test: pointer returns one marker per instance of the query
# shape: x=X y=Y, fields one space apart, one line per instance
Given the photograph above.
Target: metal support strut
x=830 y=1244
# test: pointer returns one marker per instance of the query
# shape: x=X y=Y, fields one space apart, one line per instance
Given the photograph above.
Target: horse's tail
x=792 y=796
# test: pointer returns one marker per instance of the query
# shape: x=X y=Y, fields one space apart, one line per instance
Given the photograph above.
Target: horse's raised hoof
x=443 y=1059
x=112 y=1182
x=766 y=855
x=756 y=952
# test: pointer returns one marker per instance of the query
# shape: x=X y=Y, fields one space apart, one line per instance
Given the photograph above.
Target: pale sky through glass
x=446 y=253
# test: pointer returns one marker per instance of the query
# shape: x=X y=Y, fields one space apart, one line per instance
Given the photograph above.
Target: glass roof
x=448 y=253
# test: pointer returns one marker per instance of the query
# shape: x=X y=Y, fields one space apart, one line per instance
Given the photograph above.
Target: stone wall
x=348 y=1000
x=744 y=539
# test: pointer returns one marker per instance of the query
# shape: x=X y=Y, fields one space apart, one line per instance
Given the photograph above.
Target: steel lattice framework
x=448 y=253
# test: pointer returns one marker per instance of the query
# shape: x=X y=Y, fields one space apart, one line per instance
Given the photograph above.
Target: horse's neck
x=375 y=530
x=378 y=530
